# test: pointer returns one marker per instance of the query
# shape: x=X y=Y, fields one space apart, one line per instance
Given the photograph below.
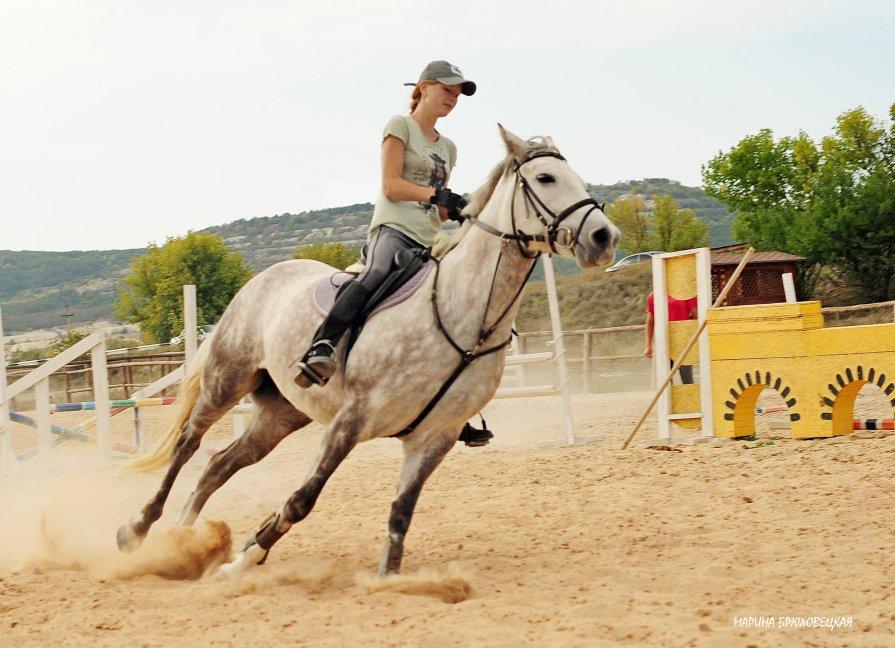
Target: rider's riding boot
x=318 y=364
x=475 y=437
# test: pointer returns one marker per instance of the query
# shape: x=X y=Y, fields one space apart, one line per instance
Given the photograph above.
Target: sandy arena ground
x=511 y=545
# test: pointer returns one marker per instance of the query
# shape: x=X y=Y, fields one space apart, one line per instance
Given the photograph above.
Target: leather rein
x=557 y=235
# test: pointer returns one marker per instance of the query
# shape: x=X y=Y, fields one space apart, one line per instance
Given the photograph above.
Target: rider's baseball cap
x=445 y=73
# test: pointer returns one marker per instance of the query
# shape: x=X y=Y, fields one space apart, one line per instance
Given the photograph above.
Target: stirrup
x=474 y=437
x=317 y=366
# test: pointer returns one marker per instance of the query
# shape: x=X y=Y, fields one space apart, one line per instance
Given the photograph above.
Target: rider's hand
x=453 y=203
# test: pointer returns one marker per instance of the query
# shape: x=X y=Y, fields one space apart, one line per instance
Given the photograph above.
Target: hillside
x=37 y=289
x=267 y=240
x=590 y=299
x=707 y=208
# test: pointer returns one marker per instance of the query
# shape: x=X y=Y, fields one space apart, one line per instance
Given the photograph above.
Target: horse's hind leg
x=210 y=406
x=273 y=420
x=341 y=436
x=419 y=463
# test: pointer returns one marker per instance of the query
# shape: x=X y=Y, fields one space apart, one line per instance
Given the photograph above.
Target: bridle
x=557 y=235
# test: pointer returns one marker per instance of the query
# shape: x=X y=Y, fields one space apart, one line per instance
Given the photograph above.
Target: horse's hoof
x=128 y=541
x=251 y=555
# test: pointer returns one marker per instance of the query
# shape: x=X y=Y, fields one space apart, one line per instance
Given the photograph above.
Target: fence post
x=42 y=406
x=7 y=461
x=128 y=380
x=189 y=322
x=101 y=398
x=789 y=288
x=586 y=344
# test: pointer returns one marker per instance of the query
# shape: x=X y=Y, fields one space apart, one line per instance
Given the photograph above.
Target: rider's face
x=442 y=98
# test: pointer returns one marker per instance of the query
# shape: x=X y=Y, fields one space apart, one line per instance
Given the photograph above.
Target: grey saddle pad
x=325 y=290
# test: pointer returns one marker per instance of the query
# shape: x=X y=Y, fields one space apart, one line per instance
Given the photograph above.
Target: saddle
x=410 y=269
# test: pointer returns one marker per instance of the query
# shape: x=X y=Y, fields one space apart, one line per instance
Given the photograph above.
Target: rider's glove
x=453 y=203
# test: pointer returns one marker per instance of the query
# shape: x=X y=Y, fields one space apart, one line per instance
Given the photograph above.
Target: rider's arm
x=394 y=186
x=650 y=325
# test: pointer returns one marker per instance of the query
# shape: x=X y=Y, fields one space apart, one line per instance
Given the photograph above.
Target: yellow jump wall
x=817 y=371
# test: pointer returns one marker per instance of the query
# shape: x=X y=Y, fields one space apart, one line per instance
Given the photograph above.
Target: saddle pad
x=325 y=290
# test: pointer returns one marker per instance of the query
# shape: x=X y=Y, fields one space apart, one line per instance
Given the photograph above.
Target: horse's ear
x=516 y=146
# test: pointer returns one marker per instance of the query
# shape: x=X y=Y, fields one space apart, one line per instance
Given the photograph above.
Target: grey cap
x=445 y=73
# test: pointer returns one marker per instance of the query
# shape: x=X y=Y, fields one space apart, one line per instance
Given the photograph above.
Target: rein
x=554 y=229
x=467 y=356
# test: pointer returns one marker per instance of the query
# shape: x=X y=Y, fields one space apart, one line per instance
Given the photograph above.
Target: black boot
x=318 y=364
x=474 y=437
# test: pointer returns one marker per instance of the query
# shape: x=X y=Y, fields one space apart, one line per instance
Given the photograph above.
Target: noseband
x=558 y=235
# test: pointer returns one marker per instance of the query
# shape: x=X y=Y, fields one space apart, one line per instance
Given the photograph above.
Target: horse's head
x=550 y=210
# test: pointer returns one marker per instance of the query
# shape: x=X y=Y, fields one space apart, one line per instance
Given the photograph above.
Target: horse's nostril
x=601 y=236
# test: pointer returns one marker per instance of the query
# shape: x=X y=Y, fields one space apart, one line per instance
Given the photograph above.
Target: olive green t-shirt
x=427 y=164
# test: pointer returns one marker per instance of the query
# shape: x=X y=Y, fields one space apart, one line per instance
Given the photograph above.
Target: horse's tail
x=190 y=387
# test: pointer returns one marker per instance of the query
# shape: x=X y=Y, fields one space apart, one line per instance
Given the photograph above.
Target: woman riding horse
x=414 y=201
x=460 y=322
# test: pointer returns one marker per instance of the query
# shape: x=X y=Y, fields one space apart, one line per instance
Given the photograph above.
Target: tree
x=629 y=214
x=675 y=229
x=337 y=255
x=69 y=339
x=152 y=294
x=833 y=204
x=666 y=229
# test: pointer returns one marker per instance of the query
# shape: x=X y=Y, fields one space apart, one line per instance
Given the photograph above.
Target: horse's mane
x=480 y=197
x=535 y=146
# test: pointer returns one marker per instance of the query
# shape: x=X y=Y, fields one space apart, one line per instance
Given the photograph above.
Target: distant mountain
x=267 y=240
x=45 y=289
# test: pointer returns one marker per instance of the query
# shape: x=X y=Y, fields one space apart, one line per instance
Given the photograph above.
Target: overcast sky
x=124 y=122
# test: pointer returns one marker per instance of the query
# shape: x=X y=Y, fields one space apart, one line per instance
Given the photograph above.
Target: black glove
x=453 y=203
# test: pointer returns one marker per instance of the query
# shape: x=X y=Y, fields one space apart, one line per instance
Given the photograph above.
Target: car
x=632 y=259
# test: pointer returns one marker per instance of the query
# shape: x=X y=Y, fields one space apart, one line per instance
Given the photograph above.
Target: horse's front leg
x=340 y=438
x=419 y=463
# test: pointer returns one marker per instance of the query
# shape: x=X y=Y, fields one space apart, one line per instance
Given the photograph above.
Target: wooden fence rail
x=130 y=373
x=126 y=375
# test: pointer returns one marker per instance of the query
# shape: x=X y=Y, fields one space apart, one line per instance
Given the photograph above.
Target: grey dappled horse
x=448 y=339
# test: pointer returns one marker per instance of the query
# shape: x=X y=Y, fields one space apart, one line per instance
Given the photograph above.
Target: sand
x=512 y=544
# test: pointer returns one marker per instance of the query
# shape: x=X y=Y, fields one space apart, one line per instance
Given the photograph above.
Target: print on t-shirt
x=439 y=172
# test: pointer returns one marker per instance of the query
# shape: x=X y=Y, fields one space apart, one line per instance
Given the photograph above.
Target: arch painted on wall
x=839 y=405
x=744 y=398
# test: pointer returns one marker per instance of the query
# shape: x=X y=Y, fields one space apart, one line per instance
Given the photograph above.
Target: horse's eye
x=545 y=178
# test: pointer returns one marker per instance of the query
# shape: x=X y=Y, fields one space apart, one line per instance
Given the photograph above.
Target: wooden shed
x=762 y=279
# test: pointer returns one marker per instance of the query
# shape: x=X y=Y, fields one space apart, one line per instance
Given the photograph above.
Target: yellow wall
x=817 y=371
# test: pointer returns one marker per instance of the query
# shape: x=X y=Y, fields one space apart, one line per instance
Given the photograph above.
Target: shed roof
x=734 y=258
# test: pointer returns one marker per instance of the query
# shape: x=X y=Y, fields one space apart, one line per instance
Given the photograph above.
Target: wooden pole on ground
x=690 y=344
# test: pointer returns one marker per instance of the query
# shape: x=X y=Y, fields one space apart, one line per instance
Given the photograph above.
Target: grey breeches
x=380 y=255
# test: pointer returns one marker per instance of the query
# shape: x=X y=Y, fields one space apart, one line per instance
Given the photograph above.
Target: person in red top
x=678 y=309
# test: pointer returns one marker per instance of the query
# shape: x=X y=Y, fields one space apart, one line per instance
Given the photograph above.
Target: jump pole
x=690 y=345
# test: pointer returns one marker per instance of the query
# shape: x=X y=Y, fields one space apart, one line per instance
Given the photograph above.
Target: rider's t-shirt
x=427 y=164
